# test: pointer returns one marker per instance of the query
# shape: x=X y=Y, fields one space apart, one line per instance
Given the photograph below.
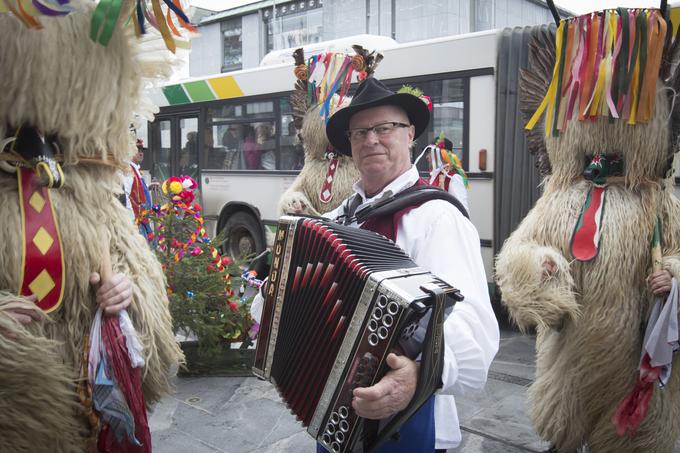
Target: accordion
x=338 y=300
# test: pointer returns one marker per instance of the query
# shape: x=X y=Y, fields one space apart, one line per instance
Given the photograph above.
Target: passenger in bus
x=231 y=140
x=252 y=153
x=266 y=142
x=188 y=156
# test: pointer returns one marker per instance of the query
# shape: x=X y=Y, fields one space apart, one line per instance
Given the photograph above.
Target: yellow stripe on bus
x=225 y=87
x=675 y=18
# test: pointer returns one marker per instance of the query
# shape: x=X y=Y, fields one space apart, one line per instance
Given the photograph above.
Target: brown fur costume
x=307 y=186
x=588 y=315
x=62 y=82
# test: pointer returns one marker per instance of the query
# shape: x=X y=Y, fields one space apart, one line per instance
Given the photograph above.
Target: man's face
x=138 y=157
x=381 y=158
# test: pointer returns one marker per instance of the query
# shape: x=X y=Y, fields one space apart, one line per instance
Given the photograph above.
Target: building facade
x=238 y=38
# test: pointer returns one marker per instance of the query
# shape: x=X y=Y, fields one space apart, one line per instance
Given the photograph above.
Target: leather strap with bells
x=326 y=194
x=42 y=269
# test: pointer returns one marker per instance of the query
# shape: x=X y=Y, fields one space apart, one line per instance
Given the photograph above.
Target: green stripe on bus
x=199 y=91
x=175 y=95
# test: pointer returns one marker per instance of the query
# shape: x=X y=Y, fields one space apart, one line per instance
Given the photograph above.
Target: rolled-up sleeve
x=444 y=242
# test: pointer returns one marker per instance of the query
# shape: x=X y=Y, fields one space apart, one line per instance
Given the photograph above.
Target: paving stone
x=473 y=443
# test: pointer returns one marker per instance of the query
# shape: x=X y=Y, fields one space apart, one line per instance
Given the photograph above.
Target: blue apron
x=415 y=436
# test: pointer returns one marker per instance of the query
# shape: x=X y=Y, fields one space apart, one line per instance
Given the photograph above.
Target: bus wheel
x=242 y=236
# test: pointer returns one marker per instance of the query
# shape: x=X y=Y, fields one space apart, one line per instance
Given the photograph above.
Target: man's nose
x=372 y=136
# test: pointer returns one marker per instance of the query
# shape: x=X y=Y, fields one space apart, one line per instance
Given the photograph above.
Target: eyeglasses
x=381 y=130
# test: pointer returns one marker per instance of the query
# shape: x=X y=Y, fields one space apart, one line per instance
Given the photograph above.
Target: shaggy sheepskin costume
x=60 y=81
x=308 y=185
x=590 y=315
x=327 y=177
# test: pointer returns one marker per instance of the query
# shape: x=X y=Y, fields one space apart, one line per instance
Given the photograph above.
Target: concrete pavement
x=244 y=414
x=228 y=414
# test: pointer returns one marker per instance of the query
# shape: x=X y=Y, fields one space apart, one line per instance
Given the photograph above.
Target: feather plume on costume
x=298 y=98
x=371 y=60
x=533 y=85
x=324 y=75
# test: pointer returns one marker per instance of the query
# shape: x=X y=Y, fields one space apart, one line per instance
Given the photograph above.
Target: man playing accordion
x=377 y=128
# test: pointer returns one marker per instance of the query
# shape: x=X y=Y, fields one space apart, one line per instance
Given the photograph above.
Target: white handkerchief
x=661 y=336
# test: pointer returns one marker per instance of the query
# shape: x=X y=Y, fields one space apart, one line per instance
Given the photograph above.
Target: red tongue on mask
x=586 y=238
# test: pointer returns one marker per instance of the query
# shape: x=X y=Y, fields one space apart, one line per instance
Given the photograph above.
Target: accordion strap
x=431 y=367
x=411 y=197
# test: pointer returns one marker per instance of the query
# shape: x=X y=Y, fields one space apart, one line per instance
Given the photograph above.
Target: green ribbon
x=642 y=25
x=104 y=20
x=620 y=73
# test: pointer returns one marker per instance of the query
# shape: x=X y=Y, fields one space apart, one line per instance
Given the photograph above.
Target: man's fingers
x=370 y=410
x=32 y=314
x=116 y=285
x=22 y=318
x=372 y=393
x=94 y=278
x=115 y=298
x=661 y=289
x=396 y=362
x=115 y=309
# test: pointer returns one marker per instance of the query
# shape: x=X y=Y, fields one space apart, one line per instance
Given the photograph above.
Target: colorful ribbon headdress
x=606 y=64
x=325 y=74
x=168 y=18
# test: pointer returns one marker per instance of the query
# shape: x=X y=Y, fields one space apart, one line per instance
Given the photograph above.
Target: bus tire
x=242 y=236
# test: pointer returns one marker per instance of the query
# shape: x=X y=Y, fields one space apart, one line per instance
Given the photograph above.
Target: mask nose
x=592 y=173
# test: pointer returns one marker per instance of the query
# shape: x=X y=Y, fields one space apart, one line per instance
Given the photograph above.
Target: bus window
x=449 y=112
x=448 y=115
x=292 y=154
x=265 y=137
x=188 y=153
x=241 y=146
x=161 y=151
x=233 y=111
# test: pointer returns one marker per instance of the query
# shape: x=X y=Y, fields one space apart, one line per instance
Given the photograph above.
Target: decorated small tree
x=200 y=282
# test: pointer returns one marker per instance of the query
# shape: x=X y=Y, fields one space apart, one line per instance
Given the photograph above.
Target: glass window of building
x=294 y=24
x=231 y=43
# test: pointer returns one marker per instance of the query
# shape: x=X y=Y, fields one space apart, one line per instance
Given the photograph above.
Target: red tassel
x=633 y=409
x=129 y=381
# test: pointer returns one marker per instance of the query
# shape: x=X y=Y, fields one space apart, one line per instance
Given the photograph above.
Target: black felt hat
x=372 y=93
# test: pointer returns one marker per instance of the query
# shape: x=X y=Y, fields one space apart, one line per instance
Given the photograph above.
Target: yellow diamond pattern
x=41 y=285
x=43 y=240
x=37 y=201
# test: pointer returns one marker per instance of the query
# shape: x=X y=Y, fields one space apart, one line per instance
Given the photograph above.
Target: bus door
x=174 y=146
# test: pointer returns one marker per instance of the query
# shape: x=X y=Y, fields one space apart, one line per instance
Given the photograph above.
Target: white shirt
x=128 y=180
x=440 y=239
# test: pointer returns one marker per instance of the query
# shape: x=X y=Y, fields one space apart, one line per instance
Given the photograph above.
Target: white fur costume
x=60 y=81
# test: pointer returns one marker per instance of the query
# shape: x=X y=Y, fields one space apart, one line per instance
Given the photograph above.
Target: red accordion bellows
x=337 y=301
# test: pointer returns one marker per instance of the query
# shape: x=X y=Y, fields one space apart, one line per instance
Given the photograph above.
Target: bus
x=200 y=118
x=472 y=80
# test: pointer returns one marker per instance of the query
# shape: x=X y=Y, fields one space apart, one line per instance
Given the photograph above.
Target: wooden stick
x=106 y=271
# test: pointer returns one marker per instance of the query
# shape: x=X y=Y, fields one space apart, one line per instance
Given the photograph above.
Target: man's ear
x=411 y=133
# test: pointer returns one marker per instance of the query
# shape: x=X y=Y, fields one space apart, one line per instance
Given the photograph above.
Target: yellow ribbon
x=162 y=26
x=549 y=98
